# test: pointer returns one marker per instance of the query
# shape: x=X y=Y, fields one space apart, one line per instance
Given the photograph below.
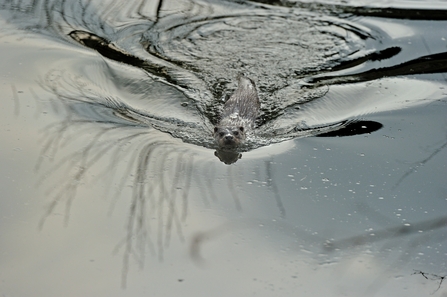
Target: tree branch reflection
x=99 y=140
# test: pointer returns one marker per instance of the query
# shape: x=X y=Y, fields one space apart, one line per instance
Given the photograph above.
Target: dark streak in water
x=271 y=182
x=15 y=98
x=420 y=164
x=387 y=53
x=388 y=233
x=383 y=12
x=108 y=50
x=436 y=63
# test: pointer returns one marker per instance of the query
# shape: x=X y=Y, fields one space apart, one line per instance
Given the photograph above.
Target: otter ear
x=241 y=129
x=216 y=129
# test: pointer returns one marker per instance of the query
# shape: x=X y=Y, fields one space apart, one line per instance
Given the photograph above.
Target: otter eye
x=221 y=134
x=241 y=129
x=215 y=129
x=236 y=133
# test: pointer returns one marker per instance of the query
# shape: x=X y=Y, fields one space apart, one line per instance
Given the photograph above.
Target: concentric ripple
x=275 y=50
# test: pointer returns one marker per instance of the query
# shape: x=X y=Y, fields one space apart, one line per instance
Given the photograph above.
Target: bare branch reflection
x=422 y=233
x=421 y=163
x=158 y=169
x=100 y=139
x=433 y=277
x=387 y=233
x=272 y=184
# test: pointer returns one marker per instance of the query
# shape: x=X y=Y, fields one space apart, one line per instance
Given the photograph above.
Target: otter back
x=244 y=101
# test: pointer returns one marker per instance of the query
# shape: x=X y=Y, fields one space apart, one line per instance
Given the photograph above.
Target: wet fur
x=238 y=116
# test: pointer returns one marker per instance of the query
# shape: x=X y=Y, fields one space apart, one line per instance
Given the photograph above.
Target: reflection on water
x=108 y=139
x=144 y=82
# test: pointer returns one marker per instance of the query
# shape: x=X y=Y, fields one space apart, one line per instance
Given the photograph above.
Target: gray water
x=110 y=185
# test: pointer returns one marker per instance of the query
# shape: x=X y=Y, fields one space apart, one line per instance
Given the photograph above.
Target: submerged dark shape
x=354 y=128
x=239 y=115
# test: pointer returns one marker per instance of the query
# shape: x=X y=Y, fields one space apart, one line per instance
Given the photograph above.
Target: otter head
x=229 y=137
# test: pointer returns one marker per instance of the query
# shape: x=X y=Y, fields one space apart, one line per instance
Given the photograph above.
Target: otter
x=238 y=116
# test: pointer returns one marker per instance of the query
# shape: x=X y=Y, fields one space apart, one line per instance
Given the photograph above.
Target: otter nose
x=228 y=137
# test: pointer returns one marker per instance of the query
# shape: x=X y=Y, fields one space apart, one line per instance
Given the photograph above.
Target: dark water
x=110 y=183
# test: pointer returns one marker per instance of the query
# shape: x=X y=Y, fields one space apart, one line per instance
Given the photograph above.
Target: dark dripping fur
x=239 y=115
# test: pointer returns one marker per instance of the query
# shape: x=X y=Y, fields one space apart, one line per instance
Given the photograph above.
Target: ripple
x=276 y=49
x=178 y=62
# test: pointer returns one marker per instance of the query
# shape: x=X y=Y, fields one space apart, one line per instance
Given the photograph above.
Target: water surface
x=110 y=183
